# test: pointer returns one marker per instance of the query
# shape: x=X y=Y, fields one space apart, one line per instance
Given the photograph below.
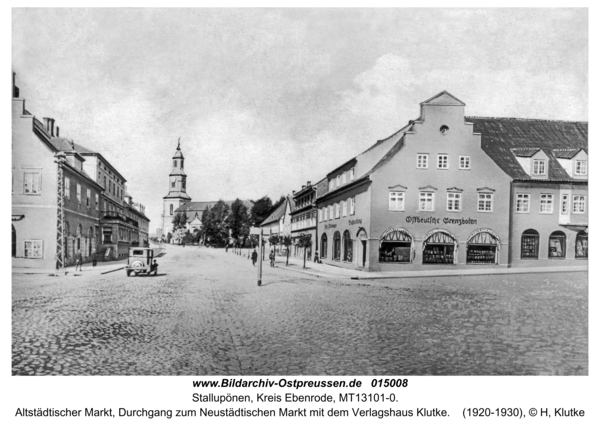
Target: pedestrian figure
x=317 y=260
x=227 y=247
x=254 y=257
x=78 y=261
x=272 y=258
x=154 y=268
x=94 y=259
x=184 y=244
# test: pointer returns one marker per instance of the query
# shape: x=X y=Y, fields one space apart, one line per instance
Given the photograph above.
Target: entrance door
x=14 y=241
x=364 y=252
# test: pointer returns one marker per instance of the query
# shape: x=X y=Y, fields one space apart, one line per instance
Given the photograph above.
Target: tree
x=304 y=241
x=180 y=221
x=239 y=220
x=260 y=210
x=287 y=241
x=274 y=240
x=215 y=225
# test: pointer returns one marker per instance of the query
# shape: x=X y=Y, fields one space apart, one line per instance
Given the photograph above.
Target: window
x=564 y=204
x=337 y=246
x=422 y=161
x=78 y=193
x=539 y=167
x=464 y=162
x=546 y=203
x=320 y=215
x=485 y=202
x=324 y=245
x=88 y=196
x=174 y=163
x=581 y=167
x=171 y=209
x=34 y=248
x=331 y=185
x=530 y=242
x=345 y=208
x=556 y=245
x=337 y=181
x=578 y=204
x=426 y=201
x=97 y=202
x=352 y=206
x=330 y=211
x=522 y=205
x=581 y=245
x=67 y=188
x=344 y=178
x=454 y=202
x=351 y=174
x=325 y=214
x=32 y=183
x=337 y=210
x=396 y=201
x=105 y=187
x=442 y=162
x=347 y=246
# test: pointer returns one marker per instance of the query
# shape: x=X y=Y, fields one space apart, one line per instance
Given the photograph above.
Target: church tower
x=177 y=195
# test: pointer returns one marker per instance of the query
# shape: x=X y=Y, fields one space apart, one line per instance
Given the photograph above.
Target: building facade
x=304 y=219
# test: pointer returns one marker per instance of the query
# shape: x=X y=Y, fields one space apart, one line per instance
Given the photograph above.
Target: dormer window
x=539 y=167
x=581 y=167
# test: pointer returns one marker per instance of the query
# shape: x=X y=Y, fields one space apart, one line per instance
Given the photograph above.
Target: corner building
x=427 y=197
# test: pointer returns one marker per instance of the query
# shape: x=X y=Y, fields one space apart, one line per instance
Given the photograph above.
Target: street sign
x=254 y=230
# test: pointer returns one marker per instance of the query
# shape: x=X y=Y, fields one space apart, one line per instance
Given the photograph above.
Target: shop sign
x=328 y=226
x=445 y=220
x=354 y=221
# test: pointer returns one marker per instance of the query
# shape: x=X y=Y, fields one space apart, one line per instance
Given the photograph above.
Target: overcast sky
x=265 y=100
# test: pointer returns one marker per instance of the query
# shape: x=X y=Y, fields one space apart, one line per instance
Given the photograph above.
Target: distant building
x=304 y=218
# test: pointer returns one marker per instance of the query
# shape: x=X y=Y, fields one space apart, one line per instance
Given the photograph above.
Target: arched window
x=482 y=247
x=324 y=245
x=581 y=245
x=347 y=246
x=174 y=163
x=557 y=245
x=530 y=244
x=337 y=246
x=439 y=247
x=395 y=245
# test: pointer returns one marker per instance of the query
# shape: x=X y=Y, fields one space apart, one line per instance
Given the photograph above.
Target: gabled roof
x=276 y=215
x=567 y=153
x=443 y=98
x=524 y=152
x=499 y=135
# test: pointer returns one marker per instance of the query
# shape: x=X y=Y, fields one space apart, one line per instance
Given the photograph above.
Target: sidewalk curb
x=310 y=273
x=112 y=271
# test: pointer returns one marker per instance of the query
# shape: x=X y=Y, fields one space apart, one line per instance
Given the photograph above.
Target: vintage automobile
x=139 y=261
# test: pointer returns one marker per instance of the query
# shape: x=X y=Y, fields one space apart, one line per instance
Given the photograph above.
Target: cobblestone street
x=204 y=315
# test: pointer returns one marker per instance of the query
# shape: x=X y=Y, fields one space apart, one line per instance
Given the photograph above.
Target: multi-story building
x=279 y=222
x=36 y=148
x=139 y=212
x=449 y=191
x=304 y=218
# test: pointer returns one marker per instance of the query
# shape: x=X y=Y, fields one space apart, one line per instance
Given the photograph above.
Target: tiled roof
x=566 y=153
x=276 y=214
x=524 y=152
x=63 y=144
x=500 y=135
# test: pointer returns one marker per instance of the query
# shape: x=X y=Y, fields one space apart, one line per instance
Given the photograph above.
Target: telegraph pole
x=260 y=259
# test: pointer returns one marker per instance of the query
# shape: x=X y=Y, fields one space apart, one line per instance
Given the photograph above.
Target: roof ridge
x=526 y=119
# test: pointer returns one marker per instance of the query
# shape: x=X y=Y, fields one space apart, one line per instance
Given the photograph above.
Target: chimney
x=308 y=184
x=293 y=192
x=49 y=122
x=303 y=187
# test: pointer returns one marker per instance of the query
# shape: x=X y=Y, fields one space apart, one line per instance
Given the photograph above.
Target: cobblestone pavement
x=204 y=315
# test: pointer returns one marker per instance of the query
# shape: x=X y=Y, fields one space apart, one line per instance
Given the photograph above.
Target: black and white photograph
x=385 y=193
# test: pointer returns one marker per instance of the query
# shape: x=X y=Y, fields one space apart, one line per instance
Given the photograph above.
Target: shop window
x=556 y=245
x=581 y=245
x=337 y=246
x=522 y=205
x=564 y=204
x=33 y=248
x=482 y=248
x=67 y=188
x=581 y=167
x=396 y=202
x=442 y=161
x=396 y=245
x=32 y=183
x=426 y=201
x=464 y=162
x=324 y=245
x=546 y=203
x=530 y=244
x=578 y=204
x=422 y=161
x=539 y=167
x=485 y=202
x=347 y=246
x=352 y=206
x=439 y=248
x=454 y=202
